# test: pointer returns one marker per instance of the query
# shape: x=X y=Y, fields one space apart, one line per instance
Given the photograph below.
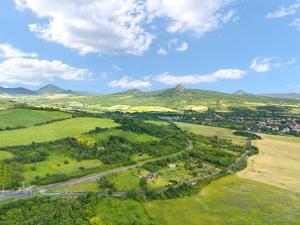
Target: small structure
x=172 y=166
x=150 y=176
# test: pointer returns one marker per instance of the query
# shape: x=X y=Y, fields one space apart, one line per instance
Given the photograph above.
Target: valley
x=198 y=166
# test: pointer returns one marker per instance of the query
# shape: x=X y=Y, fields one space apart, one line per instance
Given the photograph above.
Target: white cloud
x=183 y=47
x=7 y=51
x=94 y=26
x=195 y=16
x=118 y=26
x=284 y=11
x=162 y=51
x=125 y=83
x=26 y=68
x=262 y=65
x=296 y=23
x=170 y=79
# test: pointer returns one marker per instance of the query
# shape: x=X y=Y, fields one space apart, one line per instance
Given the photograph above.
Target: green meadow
x=6 y=155
x=14 y=118
x=211 y=131
x=52 y=131
x=229 y=201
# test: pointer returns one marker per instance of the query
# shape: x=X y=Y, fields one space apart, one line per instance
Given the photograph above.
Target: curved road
x=43 y=189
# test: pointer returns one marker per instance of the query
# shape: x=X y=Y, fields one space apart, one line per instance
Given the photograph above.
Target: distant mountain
x=241 y=92
x=16 y=91
x=52 y=89
x=131 y=91
x=49 y=89
x=295 y=96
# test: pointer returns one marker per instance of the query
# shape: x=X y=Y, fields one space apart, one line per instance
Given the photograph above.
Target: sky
x=110 y=46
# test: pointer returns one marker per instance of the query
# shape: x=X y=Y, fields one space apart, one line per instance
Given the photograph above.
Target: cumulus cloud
x=25 y=68
x=195 y=16
x=7 y=51
x=170 y=79
x=284 y=11
x=94 y=26
x=125 y=83
x=183 y=47
x=118 y=26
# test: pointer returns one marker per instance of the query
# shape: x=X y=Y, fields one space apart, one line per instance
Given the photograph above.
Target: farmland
x=230 y=200
x=211 y=131
x=15 y=118
x=52 y=131
x=278 y=162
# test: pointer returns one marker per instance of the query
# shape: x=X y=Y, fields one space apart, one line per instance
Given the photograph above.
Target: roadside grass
x=52 y=131
x=6 y=174
x=5 y=155
x=211 y=131
x=123 y=181
x=25 y=117
x=55 y=164
x=230 y=200
x=278 y=162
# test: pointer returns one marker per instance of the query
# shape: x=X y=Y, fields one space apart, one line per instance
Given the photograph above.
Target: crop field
x=25 y=118
x=211 y=131
x=230 y=200
x=52 y=131
x=278 y=162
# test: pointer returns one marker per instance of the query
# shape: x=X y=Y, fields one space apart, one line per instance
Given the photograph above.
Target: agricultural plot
x=230 y=200
x=15 y=118
x=278 y=162
x=211 y=131
x=52 y=131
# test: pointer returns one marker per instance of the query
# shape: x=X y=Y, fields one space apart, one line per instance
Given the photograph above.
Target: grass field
x=6 y=174
x=6 y=155
x=157 y=122
x=230 y=201
x=278 y=162
x=211 y=131
x=25 y=117
x=55 y=165
x=52 y=131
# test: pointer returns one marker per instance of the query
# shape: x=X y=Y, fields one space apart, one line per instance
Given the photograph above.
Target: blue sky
x=109 y=46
